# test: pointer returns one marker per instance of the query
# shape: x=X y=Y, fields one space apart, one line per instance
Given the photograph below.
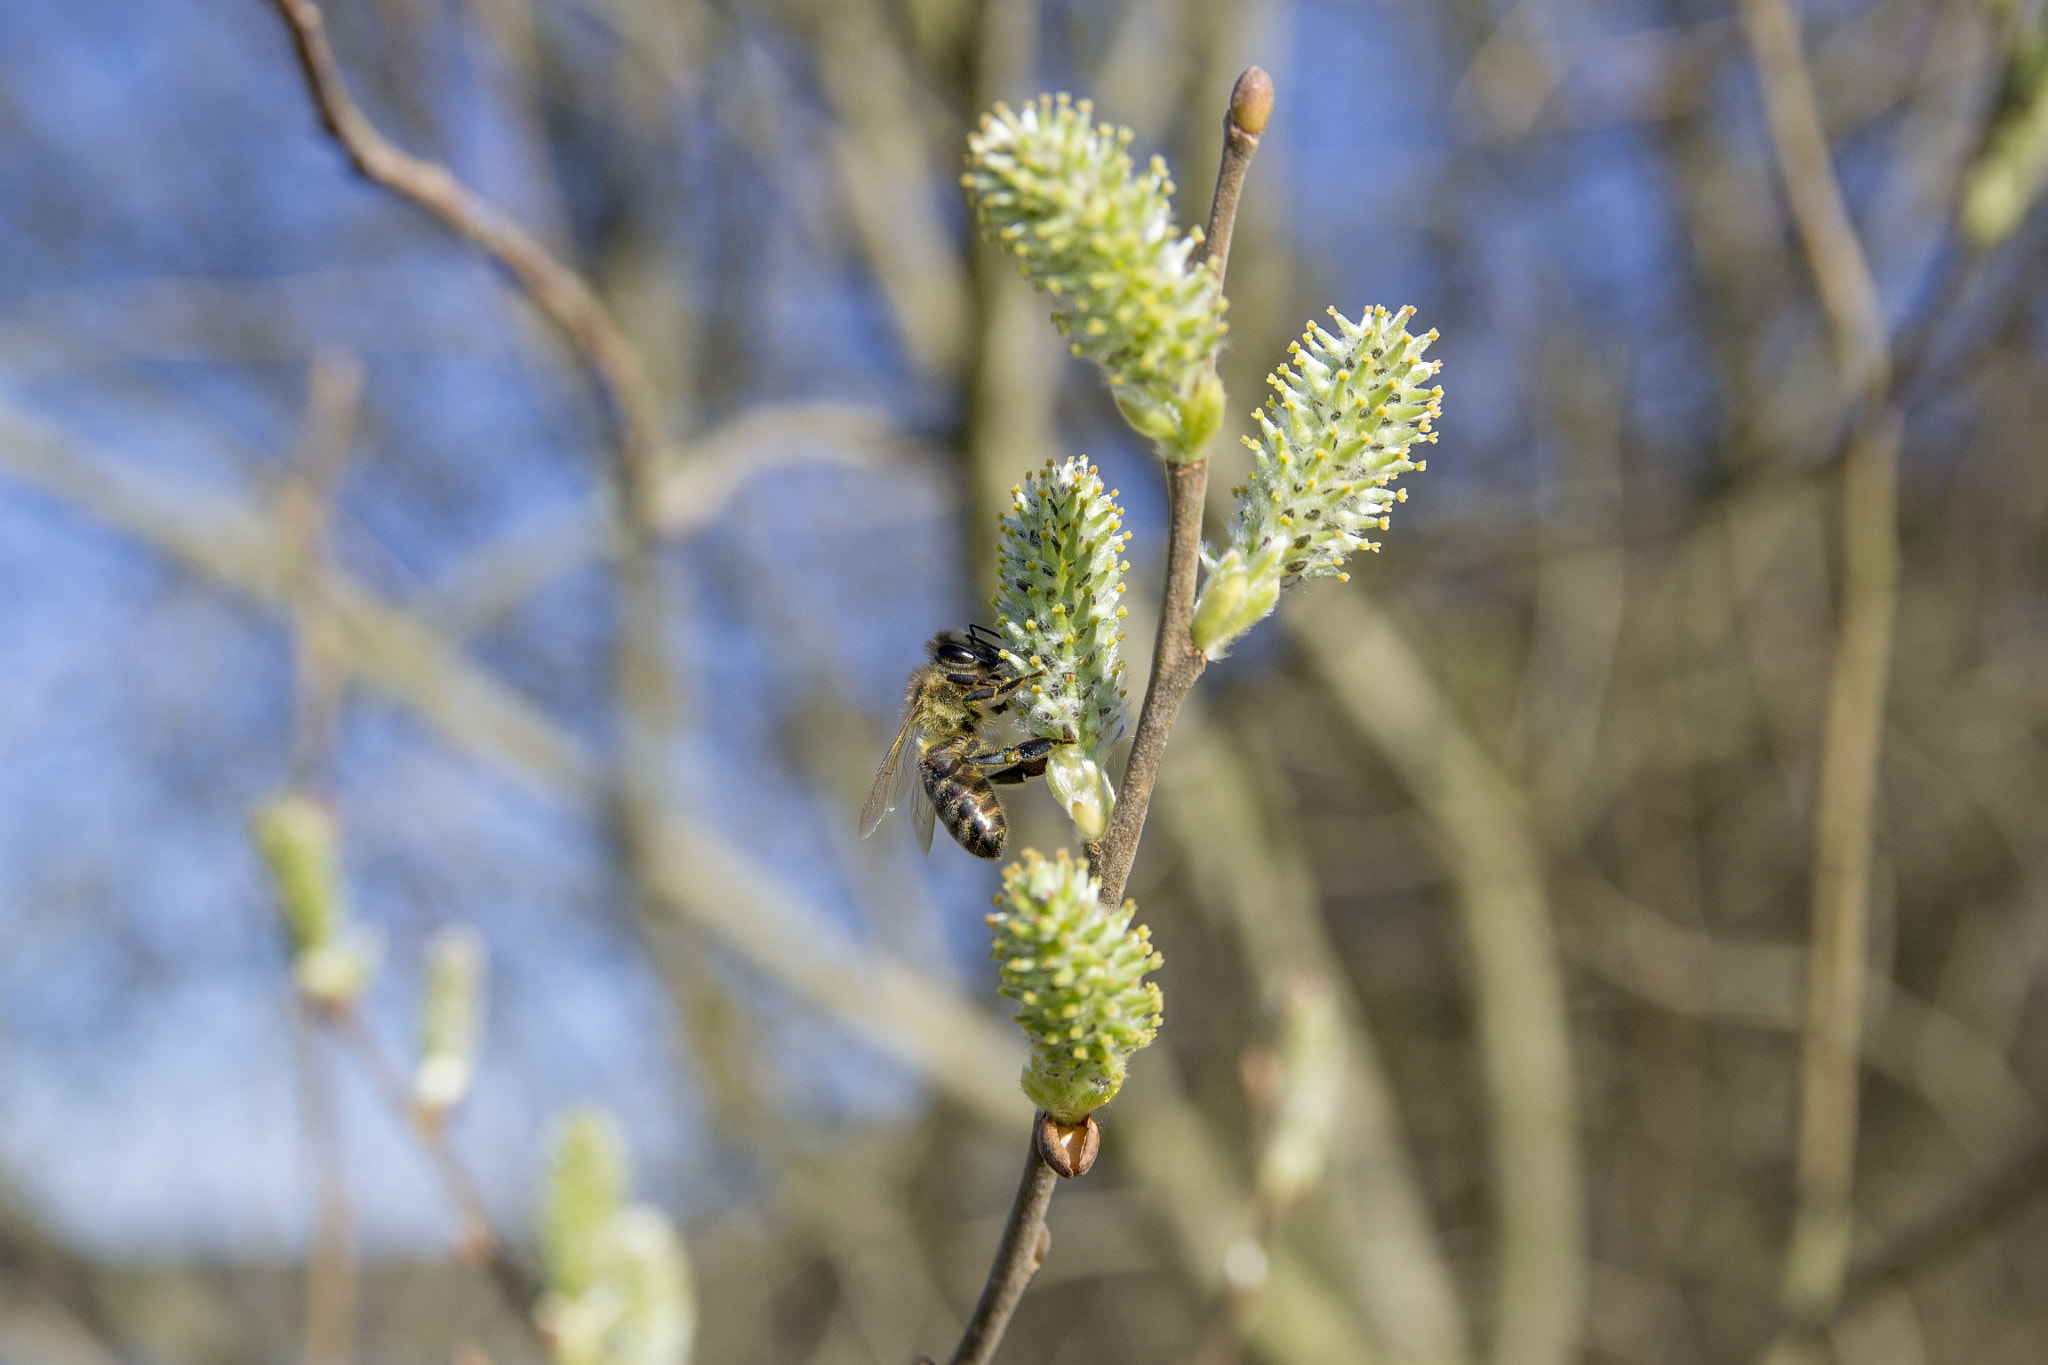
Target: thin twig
x=1818 y=1257
x=1844 y=809
x=644 y=684
x=334 y=389
x=560 y=293
x=331 y=1262
x=1176 y=663
x=1017 y=1259
x=1840 y=272
x=480 y=1244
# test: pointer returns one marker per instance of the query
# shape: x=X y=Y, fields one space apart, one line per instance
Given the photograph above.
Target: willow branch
x=1176 y=663
x=558 y=291
x=332 y=1283
x=334 y=390
x=1017 y=1259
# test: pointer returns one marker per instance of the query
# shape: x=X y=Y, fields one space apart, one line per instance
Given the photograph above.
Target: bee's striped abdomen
x=963 y=799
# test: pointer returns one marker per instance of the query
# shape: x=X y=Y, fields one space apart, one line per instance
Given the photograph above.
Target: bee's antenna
x=986 y=639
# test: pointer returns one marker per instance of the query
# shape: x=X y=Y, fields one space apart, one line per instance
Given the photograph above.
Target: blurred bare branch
x=480 y=1243
x=1484 y=834
x=888 y=176
x=694 y=490
x=1858 y=680
x=331 y=1280
x=559 y=291
x=1248 y=866
x=695 y=873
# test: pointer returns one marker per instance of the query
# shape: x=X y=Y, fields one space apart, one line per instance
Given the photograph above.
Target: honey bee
x=948 y=704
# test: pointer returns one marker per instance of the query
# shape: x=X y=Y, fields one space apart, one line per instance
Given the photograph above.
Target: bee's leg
x=1015 y=764
x=1018 y=772
x=1004 y=688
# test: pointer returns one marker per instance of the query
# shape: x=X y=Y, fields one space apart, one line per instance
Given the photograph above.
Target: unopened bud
x=332 y=959
x=1251 y=100
x=451 y=1018
x=1239 y=593
x=1078 y=783
x=1200 y=417
x=1069 y=1148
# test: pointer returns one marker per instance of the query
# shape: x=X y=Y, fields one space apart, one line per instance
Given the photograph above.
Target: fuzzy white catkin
x=1058 y=192
x=1060 y=614
x=1347 y=409
x=1076 y=969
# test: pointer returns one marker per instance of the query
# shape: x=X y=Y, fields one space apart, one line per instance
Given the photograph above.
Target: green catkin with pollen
x=1057 y=192
x=1346 y=411
x=1060 y=569
x=1076 y=971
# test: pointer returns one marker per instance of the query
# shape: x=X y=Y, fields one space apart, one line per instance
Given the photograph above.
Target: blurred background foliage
x=296 y=486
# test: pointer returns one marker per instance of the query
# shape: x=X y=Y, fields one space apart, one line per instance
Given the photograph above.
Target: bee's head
x=963 y=649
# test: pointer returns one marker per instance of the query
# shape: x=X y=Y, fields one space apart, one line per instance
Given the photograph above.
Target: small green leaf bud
x=451 y=1018
x=1150 y=418
x=1078 y=783
x=1057 y=192
x=1200 y=418
x=1061 y=571
x=332 y=959
x=1237 y=595
x=1076 y=970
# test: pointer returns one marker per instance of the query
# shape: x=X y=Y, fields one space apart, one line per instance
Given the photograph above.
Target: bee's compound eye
x=955 y=656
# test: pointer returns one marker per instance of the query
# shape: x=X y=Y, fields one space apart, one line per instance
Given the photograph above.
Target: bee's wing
x=887 y=792
x=921 y=814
